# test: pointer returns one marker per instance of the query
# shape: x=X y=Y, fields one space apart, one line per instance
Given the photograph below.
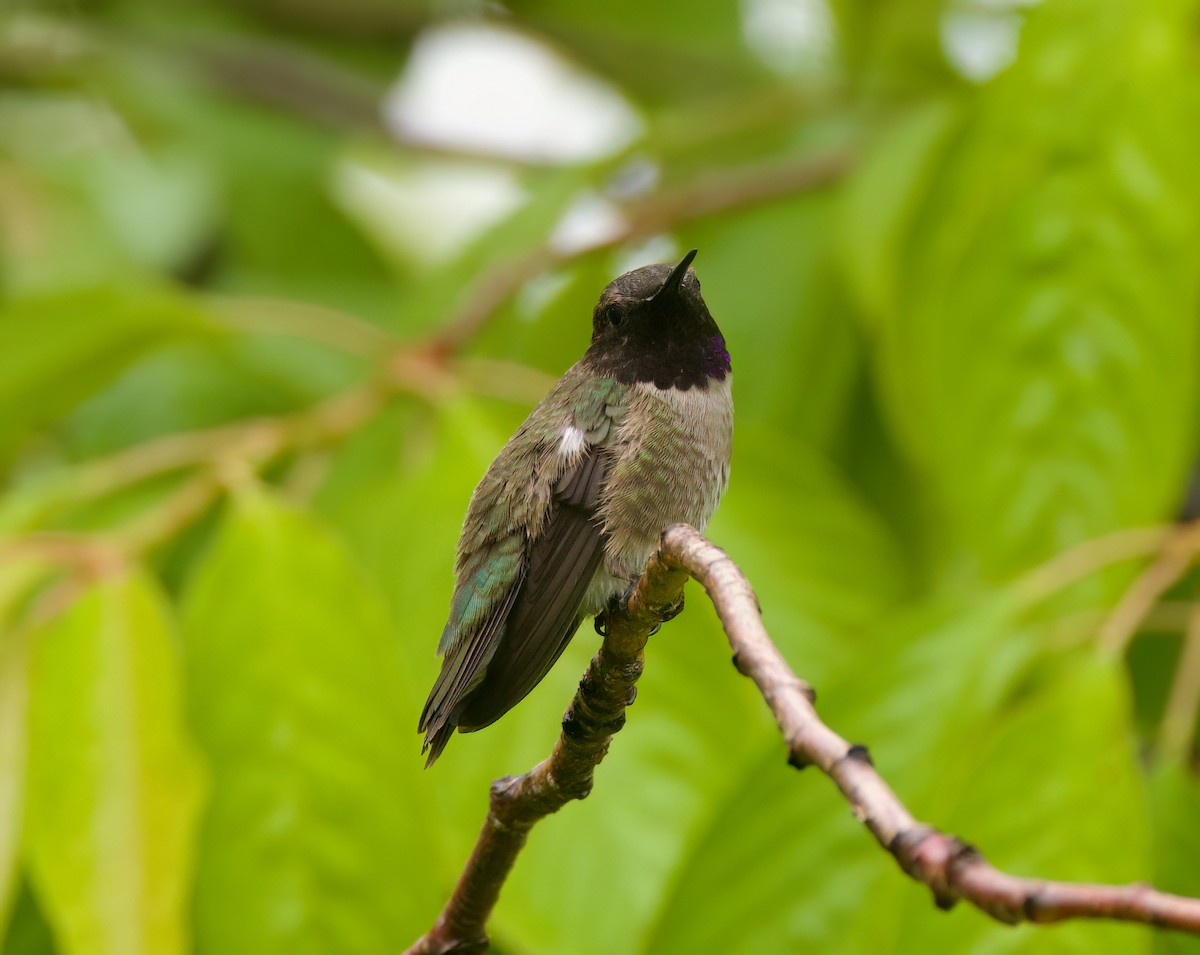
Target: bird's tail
x=436 y=740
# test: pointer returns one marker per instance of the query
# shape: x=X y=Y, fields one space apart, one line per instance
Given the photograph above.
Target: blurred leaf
x=277 y=177
x=549 y=325
x=737 y=891
x=56 y=350
x=398 y=492
x=808 y=895
x=1152 y=659
x=1047 y=788
x=671 y=46
x=114 y=788
x=200 y=384
x=892 y=49
x=28 y=933
x=260 y=163
x=882 y=197
x=770 y=281
x=14 y=666
x=315 y=835
x=53 y=239
x=81 y=206
x=821 y=562
x=1047 y=270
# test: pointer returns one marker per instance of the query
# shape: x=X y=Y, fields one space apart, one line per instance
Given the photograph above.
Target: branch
x=952 y=869
x=517 y=803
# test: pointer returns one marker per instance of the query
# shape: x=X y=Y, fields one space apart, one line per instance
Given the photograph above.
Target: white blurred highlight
x=479 y=88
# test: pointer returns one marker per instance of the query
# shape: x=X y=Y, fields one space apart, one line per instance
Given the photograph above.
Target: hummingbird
x=636 y=435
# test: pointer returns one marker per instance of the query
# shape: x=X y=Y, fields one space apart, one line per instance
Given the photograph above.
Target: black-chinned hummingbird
x=635 y=436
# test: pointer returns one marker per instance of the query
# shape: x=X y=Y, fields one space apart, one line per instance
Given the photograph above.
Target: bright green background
x=970 y=352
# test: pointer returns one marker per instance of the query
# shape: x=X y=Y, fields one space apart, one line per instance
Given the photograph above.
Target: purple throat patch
x=716 y=358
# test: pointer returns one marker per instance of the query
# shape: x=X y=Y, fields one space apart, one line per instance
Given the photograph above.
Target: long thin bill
x=675 y=279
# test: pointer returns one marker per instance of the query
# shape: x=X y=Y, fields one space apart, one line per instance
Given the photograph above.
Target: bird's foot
x=669 y=613
x=616 y=604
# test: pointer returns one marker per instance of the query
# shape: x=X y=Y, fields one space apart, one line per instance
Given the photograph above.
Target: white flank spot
x=573 y=442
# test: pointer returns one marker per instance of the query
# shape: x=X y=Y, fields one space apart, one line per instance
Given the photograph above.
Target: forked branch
x=952 y=869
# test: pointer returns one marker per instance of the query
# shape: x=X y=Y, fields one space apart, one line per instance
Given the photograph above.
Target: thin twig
x=1183 y=702
x=951 y=869
x=1091 y=556
x=1175 y=556
x=317 y=323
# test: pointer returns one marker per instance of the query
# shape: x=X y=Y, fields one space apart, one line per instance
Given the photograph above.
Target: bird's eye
x=614 y=315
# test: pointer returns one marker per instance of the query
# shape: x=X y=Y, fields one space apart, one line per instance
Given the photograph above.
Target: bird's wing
x=560 y=565
x=489 y=668
x=463 y=668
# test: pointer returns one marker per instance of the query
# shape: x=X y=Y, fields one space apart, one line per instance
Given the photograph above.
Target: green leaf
x=317 y=836
x=1037 y=349
x=14 y=667
x=18 y=579
x=114 y=788
x=883 y=195
x=770 y=280
x=56 y=350
x=101 y=210
x=779 y=865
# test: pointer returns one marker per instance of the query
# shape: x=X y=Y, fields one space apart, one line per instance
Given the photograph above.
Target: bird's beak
x=671 y=286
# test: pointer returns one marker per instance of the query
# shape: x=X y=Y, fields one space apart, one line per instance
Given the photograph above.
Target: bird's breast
x=670 y=463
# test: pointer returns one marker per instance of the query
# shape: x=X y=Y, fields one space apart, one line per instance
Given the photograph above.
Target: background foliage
x=251 y=365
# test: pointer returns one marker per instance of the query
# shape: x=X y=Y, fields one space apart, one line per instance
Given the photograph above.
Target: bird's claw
x=673 y=610
x=617 y=603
